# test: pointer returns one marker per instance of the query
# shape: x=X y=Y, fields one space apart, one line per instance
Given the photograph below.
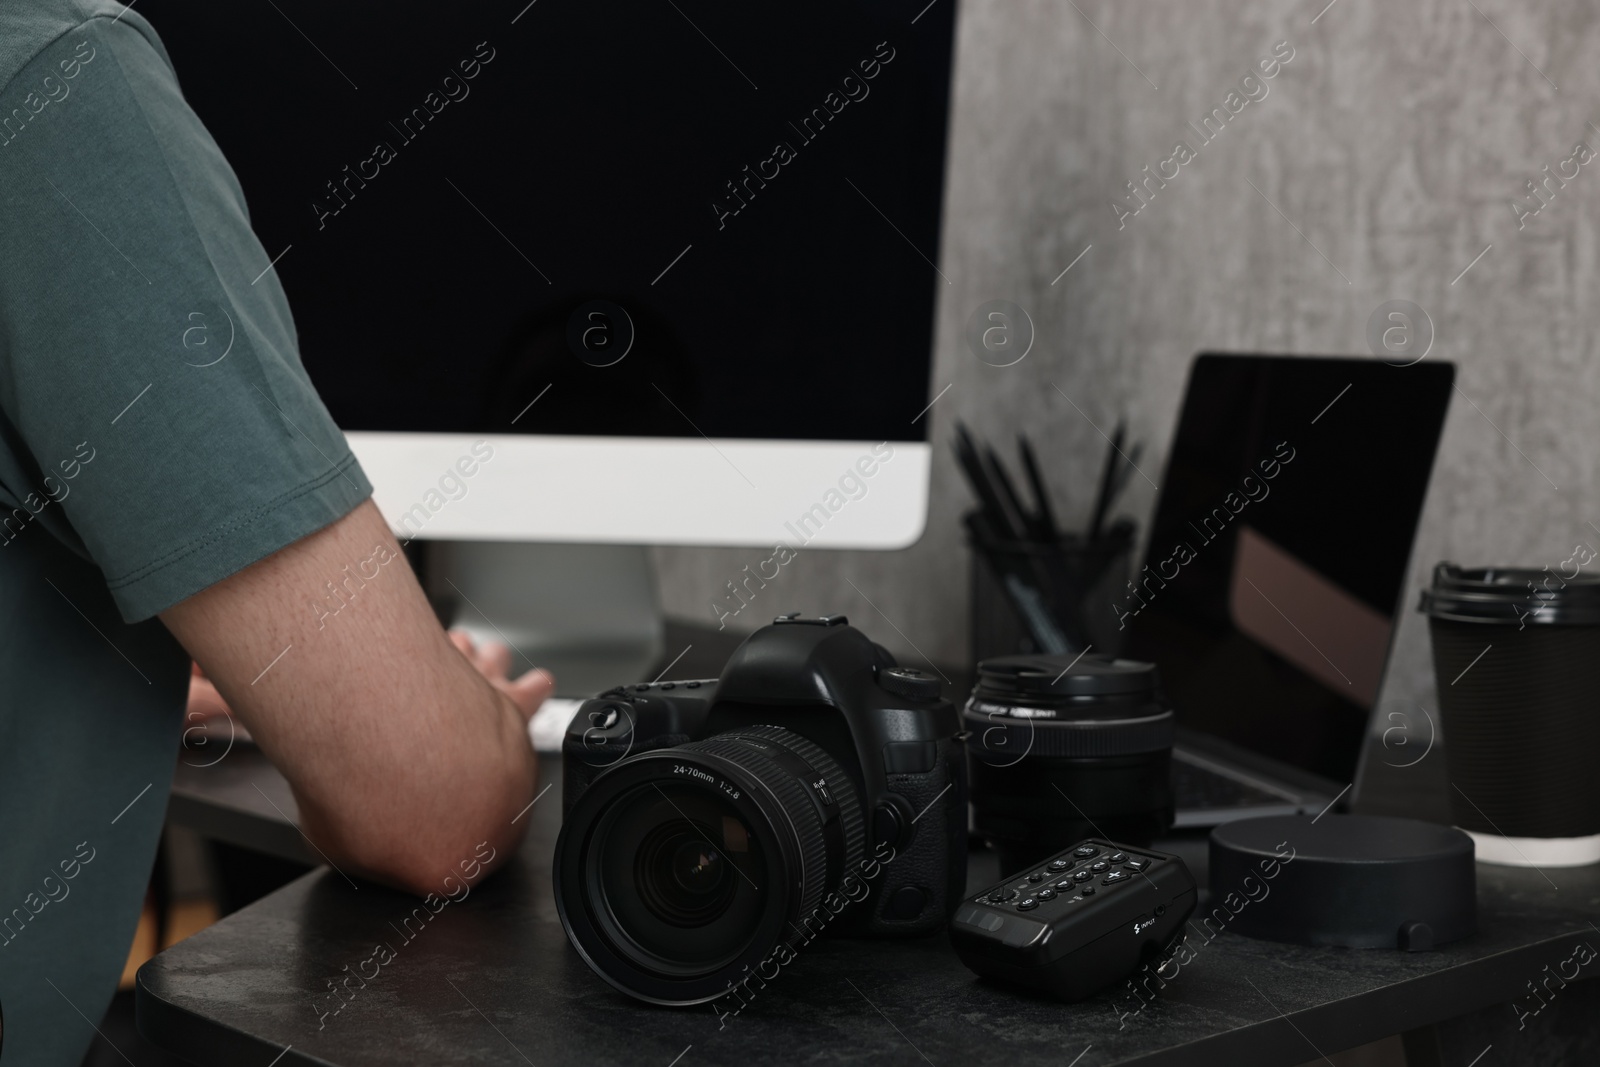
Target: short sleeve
x=154 y=414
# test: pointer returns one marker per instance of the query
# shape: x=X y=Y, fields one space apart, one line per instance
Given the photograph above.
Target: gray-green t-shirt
x=157 y=433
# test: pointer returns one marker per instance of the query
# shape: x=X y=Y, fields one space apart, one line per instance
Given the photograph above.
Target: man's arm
x=402 y=756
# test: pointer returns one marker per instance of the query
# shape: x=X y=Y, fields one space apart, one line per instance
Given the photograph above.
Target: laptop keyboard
x=1196 y=787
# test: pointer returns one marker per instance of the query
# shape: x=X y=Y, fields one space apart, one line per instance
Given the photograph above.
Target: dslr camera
x=713 y=827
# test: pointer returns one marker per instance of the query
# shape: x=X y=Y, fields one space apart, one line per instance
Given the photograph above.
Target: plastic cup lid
x=1513 y=596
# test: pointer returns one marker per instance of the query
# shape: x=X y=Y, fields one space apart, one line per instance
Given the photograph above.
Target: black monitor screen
x=1279 y=548
x=680 y=216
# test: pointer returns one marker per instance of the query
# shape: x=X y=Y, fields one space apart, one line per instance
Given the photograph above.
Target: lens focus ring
x=753 y=749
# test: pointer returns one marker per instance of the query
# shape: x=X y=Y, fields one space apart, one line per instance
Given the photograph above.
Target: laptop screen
x=1277 y=556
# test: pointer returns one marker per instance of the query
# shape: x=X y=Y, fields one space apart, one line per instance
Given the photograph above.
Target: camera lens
x=681 y=870
x=698 y=872
x=1062 y=748
x=679 y=874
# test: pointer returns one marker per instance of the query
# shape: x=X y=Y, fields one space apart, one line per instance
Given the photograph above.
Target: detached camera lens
x=1060 y=749
x=680 y=870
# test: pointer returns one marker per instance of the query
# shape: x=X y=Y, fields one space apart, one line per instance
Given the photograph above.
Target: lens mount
x=680 y=870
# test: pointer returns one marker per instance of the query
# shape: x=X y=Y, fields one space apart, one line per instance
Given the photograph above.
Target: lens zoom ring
x=844 y=791
x=791 y=794
x=1000 y=738
x=791 y=797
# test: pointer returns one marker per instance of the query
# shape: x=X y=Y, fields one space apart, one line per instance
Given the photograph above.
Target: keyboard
x=548 y=727
x=1199 y=788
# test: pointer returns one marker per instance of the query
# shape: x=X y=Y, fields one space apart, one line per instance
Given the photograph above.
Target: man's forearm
x=402 y=756
x=433 y=826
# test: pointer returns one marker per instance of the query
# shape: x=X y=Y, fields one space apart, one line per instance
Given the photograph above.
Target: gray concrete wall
x=1393 y=142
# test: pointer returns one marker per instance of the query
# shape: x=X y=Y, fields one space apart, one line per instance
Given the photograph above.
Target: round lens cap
x=1089 y=675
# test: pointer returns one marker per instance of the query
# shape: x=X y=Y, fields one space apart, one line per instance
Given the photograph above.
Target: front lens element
x=697 y=870
x=681 y=875
x=681 y=869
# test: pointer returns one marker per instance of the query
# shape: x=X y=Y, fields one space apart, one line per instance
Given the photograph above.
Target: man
x=156 y=505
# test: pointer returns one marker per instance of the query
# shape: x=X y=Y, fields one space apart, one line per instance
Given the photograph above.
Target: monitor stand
x=589 y=614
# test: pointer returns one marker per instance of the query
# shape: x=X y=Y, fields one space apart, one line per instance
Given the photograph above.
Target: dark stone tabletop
x=491 y=980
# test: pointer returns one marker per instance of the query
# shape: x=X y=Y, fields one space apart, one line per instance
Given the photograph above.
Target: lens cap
x=1088 y=675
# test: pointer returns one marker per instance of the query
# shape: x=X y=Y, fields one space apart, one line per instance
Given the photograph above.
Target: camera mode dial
x=909 y=682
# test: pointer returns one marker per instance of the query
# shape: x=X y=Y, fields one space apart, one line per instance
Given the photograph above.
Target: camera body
x=894 y=799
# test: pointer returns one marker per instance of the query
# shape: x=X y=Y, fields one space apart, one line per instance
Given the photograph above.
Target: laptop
x=1273 y=580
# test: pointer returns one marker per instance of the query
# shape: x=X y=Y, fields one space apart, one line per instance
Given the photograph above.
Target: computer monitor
x=654 y=271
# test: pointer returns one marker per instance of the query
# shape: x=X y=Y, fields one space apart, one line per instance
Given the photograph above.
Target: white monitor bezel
x=648 y=490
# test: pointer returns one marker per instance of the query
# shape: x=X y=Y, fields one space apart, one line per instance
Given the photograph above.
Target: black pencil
x=1041 y=499
x=1102 y=500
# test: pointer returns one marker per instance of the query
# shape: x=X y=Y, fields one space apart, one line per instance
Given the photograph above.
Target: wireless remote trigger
x=1079 y=922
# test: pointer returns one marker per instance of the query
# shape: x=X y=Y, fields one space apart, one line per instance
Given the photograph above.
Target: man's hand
x=402 y=756
x=493 y=661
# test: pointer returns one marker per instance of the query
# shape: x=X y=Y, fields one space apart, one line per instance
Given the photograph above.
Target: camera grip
x=933 y=863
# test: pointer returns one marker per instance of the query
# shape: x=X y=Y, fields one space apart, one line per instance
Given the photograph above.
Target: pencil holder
x=1034 y=596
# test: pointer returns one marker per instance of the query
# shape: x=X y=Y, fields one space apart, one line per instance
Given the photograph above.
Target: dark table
x=492 y=980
